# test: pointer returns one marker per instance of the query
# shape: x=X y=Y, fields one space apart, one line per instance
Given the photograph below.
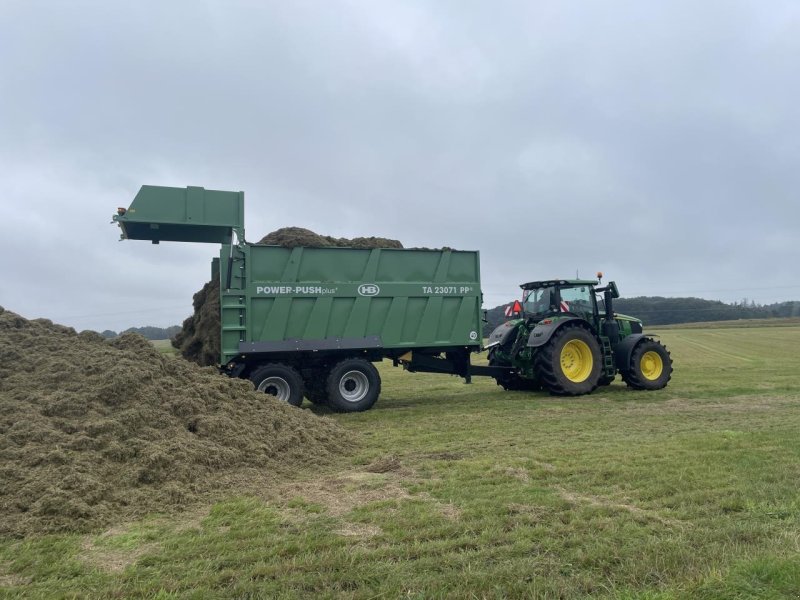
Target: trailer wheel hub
x=276 y=386
x=353 y=386
x=576 y=360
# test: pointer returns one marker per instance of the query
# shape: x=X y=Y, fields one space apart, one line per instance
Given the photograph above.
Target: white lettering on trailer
x=304 y=290
x=446 y=290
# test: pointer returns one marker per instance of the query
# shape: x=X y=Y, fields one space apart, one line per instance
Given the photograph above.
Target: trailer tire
x=279 y=380
x=353 y=385
x=650 y=367
x=570 y=364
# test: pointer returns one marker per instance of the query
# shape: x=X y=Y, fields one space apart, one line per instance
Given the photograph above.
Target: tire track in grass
x=759 y=342
x=714 y=350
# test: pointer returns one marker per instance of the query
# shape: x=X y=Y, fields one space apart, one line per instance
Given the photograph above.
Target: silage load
x=198 y=339
x=93 y=431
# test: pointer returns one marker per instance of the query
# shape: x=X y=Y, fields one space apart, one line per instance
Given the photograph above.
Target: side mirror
x=612 y=286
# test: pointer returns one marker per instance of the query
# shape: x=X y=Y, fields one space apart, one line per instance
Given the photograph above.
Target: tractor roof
x=532 y=285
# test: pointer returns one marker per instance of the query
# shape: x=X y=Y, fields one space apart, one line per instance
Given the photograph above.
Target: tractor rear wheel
x=353 y=385
x=281 y=381
x=570 y=364
x=650 y=367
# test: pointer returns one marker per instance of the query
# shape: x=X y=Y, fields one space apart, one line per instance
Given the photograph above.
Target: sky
x=658 y=142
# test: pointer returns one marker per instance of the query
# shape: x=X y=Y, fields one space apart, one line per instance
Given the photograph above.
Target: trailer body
x=277 y=300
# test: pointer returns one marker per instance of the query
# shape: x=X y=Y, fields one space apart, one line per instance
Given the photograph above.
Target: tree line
x=148 y=331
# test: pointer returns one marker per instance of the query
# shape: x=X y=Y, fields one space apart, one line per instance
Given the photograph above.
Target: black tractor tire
x=353 y=385
x=512 y=382
x=279 y=380
x=650 y=367
x=571 y=363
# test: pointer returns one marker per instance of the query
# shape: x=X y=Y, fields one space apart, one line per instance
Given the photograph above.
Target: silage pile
x=293 y=237
x=198 y=339
x=93 y=431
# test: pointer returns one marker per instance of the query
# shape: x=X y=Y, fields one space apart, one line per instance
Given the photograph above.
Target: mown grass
x=466 y=491
x=737 y=323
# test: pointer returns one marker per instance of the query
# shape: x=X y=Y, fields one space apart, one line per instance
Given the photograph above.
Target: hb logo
x=369 y=289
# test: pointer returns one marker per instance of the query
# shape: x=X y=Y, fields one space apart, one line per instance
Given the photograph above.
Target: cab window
x=577 y=299
x=539 y=300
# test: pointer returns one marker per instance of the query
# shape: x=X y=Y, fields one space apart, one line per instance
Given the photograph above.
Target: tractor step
x=608 y=357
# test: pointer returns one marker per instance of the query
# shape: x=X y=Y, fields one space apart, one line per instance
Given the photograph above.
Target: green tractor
x=568 y=340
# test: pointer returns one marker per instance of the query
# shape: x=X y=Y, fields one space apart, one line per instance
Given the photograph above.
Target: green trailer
x=312 y=321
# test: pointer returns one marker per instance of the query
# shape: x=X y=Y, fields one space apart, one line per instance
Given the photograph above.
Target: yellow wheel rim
x=651 y=365
x=576 y=360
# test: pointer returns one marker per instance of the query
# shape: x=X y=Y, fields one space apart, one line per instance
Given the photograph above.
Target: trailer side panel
x=283 y=299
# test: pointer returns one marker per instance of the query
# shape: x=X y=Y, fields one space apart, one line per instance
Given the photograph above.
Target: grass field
x=466 y=491
x=164 y=346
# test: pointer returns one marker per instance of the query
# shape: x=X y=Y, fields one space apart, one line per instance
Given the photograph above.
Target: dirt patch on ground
x=346 y=491
x=198 y=340
x=359 y=530
x=92 y=432
x=112 y=560
x=381 y=480
x=518 y=473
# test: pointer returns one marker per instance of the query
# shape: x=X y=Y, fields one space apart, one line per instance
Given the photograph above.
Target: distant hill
x=656 y=310
x=148 y=331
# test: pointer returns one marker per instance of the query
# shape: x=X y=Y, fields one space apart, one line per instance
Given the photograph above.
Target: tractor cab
x=582 y=298
x=541 y=299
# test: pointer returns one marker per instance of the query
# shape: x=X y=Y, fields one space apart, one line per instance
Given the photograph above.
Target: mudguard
x=623 y=350
x=542 y=333
x=507 y=332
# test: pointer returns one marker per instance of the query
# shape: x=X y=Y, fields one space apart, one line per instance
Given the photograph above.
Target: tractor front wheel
x=570 y=364
x=650 y=367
